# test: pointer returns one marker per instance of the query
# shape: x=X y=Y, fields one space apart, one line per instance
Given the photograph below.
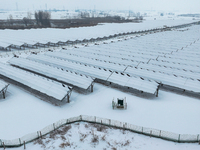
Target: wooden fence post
x=4 y=95
x=150 y=133
x=40 y=134
x=68 y=98
x=20 y=141
x=4 y=146
x=198 y=139
x=142 y=129
x=160 y=134
x=91 y=88
x=24 y=145
x=179 y=138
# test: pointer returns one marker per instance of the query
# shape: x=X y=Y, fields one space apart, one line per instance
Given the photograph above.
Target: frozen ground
x=33 y=36
x=23 y=113
x=87 y=136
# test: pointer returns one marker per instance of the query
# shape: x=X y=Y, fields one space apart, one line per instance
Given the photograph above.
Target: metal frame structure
x=3 y=91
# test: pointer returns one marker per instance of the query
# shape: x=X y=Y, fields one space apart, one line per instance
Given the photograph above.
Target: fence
x=107 y=122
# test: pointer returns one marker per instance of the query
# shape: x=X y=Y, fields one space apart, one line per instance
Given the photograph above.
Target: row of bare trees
x=42 y=19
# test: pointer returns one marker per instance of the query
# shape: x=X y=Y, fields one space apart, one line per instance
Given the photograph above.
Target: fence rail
x=182 y=138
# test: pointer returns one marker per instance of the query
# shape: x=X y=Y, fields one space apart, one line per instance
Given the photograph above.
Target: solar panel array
x=68 y=77
x=169 y=57
x=141 y=63
x=49 y=87
x=99 y=71
x=135 y=82
x=82 y=68
x=178 y=67
x=34 y=38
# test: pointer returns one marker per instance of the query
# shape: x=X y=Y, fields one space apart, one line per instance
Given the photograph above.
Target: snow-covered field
x=33 y=36
x=23 y=113
x=86 y=136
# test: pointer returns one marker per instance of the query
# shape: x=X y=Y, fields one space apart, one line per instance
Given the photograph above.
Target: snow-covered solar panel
x=161 y=42
x=108 y=55
x=135 y=82
x=34 y=36
x=3 y=84
x=184 y=66
x=167 y=79
x=186 y=54
x=175 y=71
x=68 y=77
x=4 y=44
x=183 y=58
x=103 y=62
x=126 y=50
x=189 y=62
x=82 y=68
x=38 y=83
x=111 y=53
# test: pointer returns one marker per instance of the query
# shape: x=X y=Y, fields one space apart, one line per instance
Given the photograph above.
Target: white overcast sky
x=189 y=6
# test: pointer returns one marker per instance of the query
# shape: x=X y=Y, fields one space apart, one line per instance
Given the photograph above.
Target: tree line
x=42 y=19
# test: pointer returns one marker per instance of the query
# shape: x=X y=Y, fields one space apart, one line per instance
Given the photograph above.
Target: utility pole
x=16 y=6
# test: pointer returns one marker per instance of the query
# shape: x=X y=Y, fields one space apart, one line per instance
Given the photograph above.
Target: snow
x=39 y=83
x=23 y=113
x=87 y=136
x=91 y=59
x=173 y=79
x=33 y=36
x=74 y=66
x=134 y=82
x=68 y=77
x=170 y=111
x=3 y=84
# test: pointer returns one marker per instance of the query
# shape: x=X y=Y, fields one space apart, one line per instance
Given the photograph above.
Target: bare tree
x=43 y=18
x=117 y=18
x=29 y=15
x=37 y=18
x=26 y=21
x=84 y=15
x=46 y=18
x=10 y=19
